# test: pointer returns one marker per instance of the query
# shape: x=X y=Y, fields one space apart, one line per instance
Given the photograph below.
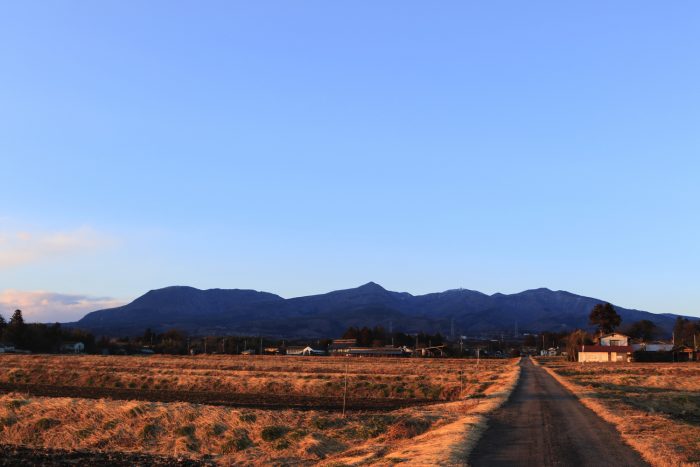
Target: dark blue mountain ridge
x=250 y=312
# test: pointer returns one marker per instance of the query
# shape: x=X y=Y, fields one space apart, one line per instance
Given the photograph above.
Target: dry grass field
x=460 y=391
x=655 y=406
x=367 y=378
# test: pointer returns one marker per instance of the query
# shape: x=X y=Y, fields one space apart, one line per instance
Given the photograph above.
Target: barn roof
x=605 y=348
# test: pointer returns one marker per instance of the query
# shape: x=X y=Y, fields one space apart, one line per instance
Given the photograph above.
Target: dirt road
x=543 y=424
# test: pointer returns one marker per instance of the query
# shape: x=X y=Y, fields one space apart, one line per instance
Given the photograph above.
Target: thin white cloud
x=18 y=248
x=49 y=307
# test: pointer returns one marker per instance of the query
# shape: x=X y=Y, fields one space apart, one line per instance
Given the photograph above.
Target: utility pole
x=261 y=349
x=345 y=389
x=205 y=345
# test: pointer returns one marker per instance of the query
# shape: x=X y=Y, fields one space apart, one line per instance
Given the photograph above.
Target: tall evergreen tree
x=605 y=318
x=3 y=325
x=16 y=329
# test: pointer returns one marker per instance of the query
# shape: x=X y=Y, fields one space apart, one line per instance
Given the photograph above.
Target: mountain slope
x=178 y=307
x=220 y=311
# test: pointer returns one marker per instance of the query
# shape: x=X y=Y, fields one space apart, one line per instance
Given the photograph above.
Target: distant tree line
x=38 y=337
x=177 y=342
x=49 y=338
x=379 y=337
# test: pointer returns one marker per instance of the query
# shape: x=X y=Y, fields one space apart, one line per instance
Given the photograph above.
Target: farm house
x=341 y=345
x=612 y=347
x=613 y=339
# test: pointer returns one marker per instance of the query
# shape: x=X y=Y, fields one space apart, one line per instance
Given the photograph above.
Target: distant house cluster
x=350 y=348
x=68 y=347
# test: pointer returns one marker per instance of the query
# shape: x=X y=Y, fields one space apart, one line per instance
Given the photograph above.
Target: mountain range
x=249 y=312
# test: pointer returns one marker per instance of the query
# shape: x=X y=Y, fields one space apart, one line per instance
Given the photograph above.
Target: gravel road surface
x=544 y=424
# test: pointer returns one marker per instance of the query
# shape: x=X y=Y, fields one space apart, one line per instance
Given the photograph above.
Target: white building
x=613 y=339
x=304 y=351
x=73 y=347
x=656 y=346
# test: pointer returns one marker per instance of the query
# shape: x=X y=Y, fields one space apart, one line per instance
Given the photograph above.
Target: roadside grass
x=654 y=406
x=441 y=434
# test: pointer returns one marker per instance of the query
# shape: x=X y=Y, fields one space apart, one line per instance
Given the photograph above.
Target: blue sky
x=300 y=147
